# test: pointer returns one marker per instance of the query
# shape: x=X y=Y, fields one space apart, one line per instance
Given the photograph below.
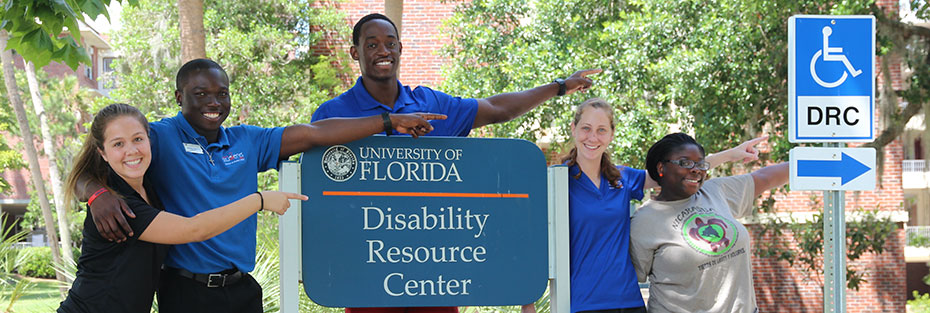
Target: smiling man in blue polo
x=199 y=164
x=377 y=48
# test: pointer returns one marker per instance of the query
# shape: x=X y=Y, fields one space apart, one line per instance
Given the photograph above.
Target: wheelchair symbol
x=829 y=55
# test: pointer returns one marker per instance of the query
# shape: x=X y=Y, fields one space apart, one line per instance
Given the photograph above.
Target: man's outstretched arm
x=301 y=137
x=507 y=106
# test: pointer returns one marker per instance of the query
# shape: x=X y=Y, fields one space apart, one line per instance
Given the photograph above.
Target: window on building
x=108 y=65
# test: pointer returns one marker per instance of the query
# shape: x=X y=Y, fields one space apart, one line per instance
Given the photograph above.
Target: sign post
x=834 y=249
x=831 y=99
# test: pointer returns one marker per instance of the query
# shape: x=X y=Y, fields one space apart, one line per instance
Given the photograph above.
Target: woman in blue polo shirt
x=602 y=275
x=121 y=277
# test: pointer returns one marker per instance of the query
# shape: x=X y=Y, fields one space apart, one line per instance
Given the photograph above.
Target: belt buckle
x=220 y=280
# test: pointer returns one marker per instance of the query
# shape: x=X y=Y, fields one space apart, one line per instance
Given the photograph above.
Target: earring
x=660 y=174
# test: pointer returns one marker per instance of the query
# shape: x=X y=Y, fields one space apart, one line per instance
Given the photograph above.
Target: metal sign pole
x=559 y=276
x=289 y=240
x=834 y=248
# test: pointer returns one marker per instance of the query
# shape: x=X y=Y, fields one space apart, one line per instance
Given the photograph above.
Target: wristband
x=561 y=83
x=95 y=195
x=262 y=199
x=386 y=119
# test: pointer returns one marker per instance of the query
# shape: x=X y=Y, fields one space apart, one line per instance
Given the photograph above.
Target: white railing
x=22 y=244
x=914 y=166
x=917 y=235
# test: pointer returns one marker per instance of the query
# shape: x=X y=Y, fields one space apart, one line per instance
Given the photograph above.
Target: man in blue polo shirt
x=377 y=48
x=197 y=164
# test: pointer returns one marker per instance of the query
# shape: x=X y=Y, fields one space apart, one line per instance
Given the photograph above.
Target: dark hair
x=196 y=65
x=88 y=162
x=662 y=148
x=608 y=169
x=357 y=29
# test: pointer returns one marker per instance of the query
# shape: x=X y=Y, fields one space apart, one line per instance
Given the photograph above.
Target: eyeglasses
x=688 y=164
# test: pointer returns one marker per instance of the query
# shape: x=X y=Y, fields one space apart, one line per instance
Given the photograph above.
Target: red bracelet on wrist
x=94 y=196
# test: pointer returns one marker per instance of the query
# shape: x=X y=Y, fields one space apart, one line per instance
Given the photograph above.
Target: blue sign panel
x=831 y=78
x=400 y=222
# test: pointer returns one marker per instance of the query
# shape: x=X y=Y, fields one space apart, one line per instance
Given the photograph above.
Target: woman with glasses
x=687 y=241
x=602 y=275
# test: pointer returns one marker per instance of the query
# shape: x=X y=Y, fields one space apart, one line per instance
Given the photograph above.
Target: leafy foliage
x=918 y=240
x=714 y=68
x=706 y=67
x=11 y=287
x=263 y=46
x=10 y=158
x=801 y=243
x=35 y=25
x=920 y=304
x=37 y=262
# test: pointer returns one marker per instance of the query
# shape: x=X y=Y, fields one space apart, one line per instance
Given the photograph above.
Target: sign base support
x=289 y=245
x=559 y=277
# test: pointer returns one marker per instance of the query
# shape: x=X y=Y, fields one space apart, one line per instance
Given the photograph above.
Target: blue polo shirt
x=357 y=102
x=602 y=272
x=189 y=183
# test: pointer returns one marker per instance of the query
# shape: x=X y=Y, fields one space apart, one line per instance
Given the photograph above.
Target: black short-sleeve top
x=118 y=277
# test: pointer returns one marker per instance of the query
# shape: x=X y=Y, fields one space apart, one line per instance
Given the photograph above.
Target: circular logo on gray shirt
x=710 y=234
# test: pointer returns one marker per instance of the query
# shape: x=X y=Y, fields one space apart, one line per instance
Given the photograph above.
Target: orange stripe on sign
x=425 y=194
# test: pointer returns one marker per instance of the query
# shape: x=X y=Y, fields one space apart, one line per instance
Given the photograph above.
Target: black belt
x=221 y=279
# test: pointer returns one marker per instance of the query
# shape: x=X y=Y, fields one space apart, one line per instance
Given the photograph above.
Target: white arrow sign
x=832 y=168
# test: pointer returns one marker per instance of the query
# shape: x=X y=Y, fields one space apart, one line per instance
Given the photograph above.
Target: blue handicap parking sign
x=831 y=78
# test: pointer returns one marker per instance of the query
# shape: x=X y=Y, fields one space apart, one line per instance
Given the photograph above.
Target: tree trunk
x=190 y=16
x=54 y=176
x=394 y=10
x=13 y=94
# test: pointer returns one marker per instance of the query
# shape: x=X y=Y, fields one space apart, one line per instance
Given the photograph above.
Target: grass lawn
x=41 y=297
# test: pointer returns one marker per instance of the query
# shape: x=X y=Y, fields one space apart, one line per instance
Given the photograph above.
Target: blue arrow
x=847 y=168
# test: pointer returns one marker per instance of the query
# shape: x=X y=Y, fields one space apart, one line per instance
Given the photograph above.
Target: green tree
x=263 y=45
x=34 y=27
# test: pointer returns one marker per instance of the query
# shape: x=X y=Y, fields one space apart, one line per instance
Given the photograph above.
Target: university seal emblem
x=339 y=163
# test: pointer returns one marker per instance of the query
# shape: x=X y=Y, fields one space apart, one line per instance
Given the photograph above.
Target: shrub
x=37 y=262
x=920 y=304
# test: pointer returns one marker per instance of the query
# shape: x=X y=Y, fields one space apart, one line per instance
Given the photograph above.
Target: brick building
x=779 y=287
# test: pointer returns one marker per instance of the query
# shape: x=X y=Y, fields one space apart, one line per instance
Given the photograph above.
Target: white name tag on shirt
x=193 y=148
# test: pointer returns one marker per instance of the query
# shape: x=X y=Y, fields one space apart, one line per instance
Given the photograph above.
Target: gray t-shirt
x=694 y=251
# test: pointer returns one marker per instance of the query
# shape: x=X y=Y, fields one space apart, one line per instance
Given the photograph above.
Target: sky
x=102 y=25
